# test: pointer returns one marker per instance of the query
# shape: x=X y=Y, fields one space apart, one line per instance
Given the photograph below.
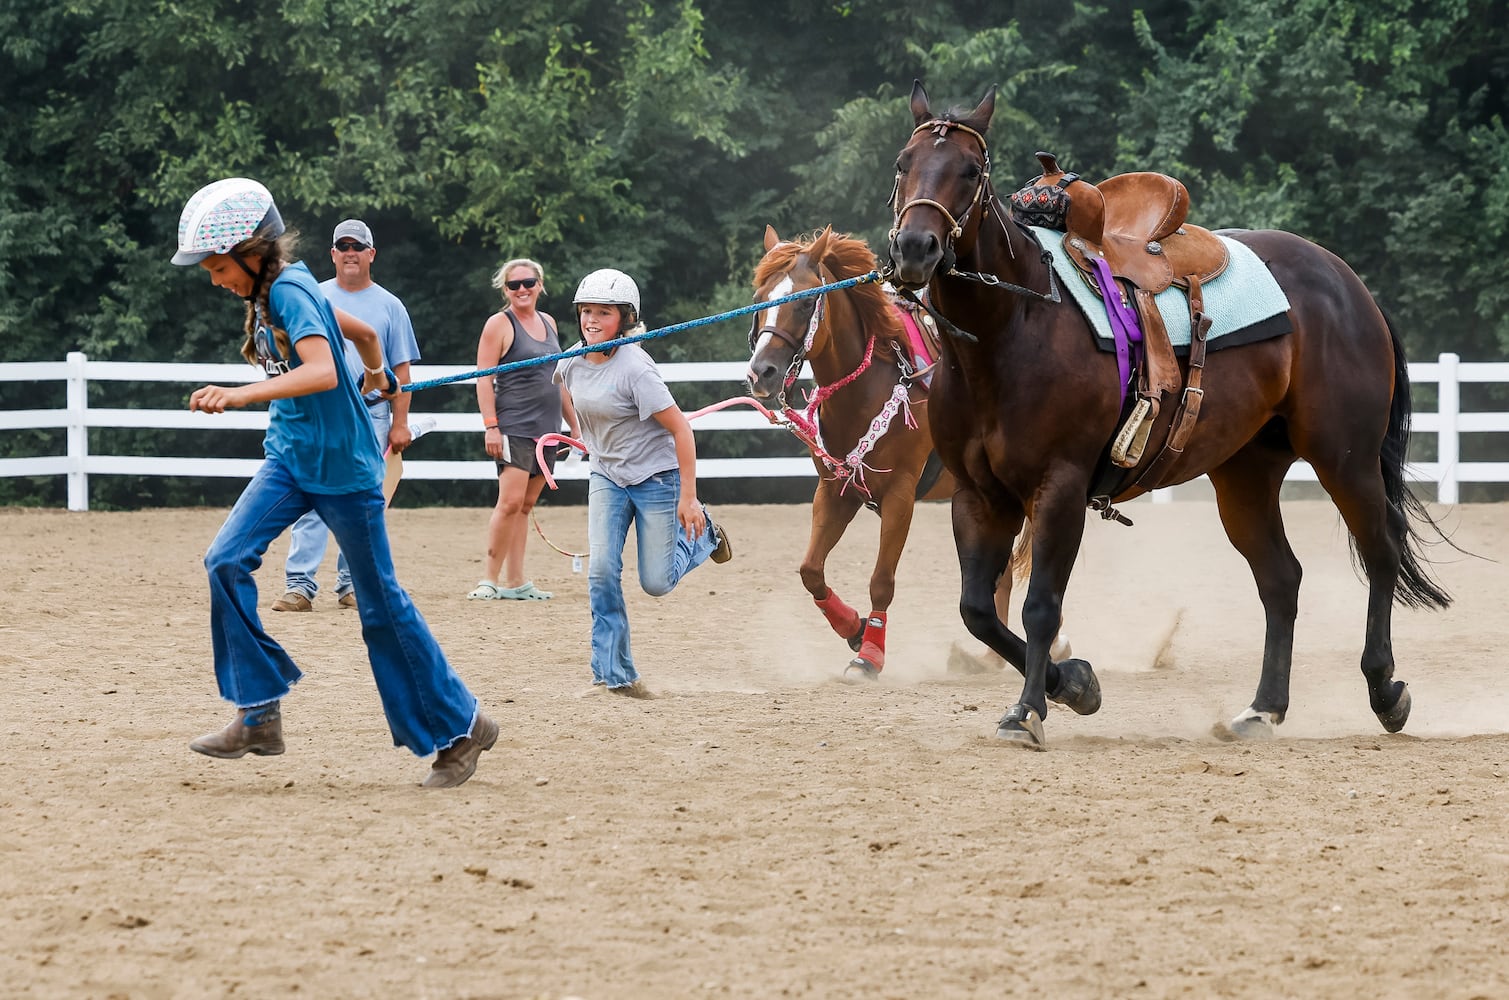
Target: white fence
x=1448 y=423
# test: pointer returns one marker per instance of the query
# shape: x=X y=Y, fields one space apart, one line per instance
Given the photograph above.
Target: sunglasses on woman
x=518 y=283
x=351 y=246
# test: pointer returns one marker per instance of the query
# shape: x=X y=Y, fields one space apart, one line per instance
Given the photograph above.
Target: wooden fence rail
x=1447 y=423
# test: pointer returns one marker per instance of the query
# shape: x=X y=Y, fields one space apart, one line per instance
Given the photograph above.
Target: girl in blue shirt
x=322 y=455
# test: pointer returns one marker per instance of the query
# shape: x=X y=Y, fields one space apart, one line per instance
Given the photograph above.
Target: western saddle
x=1135 y=222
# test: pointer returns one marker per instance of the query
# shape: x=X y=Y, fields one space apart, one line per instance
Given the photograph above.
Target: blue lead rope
x=663 y=331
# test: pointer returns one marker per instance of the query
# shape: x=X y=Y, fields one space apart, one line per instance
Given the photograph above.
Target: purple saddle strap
x=1125 y=330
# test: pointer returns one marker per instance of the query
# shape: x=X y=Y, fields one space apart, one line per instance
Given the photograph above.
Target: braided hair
x=276 y=253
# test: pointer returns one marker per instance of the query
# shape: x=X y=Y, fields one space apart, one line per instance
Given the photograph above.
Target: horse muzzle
x=765 y=380
x=915 y=256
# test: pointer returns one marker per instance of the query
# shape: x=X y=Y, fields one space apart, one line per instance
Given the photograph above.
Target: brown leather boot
x=256 y=730
x=725 y=550
x=457 y=762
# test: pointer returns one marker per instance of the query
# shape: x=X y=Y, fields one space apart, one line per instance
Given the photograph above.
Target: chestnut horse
x=1032 y=405
x=869 y=430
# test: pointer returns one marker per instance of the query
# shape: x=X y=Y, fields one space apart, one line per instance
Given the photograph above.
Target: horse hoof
x=1250 y=726
x=858 y=638
x=1021 y=726
x=1078 y=687
x=862 y=669
x=1394 y=719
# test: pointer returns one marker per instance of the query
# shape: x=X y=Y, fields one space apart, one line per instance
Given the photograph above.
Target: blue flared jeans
x=665 y=556
x=310 y=536
x=427 y=705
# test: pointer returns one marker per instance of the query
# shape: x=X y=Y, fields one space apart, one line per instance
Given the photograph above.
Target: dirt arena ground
x=762 y=829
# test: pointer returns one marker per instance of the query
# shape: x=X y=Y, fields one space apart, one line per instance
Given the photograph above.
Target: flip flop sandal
x=486 y=591
x=524 y=592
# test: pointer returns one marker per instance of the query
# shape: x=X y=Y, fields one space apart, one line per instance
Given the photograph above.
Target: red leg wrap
x=844 y=619
x=873 y=649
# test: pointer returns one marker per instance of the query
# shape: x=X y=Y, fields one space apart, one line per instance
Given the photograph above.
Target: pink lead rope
x=850 y=469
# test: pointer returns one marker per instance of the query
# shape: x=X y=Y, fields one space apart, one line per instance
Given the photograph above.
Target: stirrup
x=1131 y=440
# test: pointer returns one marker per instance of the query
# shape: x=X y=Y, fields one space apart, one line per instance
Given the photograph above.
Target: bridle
x=940 y=127
x=805 y=422
x=800 y=349
x=984 y=194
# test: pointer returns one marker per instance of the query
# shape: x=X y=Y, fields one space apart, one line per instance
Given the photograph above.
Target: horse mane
x=847 y=257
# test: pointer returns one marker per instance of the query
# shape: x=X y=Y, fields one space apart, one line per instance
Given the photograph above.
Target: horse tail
x=1021 y=556
x=1415 y=588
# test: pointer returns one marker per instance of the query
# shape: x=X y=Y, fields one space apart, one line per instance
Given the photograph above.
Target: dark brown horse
x=1032 y=405
x=869 y=430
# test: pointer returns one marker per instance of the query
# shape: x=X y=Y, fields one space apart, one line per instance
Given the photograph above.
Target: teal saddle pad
x=1244 y=302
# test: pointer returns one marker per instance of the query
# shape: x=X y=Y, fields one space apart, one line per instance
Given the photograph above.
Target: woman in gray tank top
x=518 y=408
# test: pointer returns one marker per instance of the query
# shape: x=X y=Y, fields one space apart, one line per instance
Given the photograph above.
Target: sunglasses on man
x=518 y=283
x=352 y=246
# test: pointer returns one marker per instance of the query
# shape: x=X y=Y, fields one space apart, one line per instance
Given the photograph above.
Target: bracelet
x=490 y=427
x=374 y=371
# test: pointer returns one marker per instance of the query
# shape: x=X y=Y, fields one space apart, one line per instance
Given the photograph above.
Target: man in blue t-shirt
x=353 y=290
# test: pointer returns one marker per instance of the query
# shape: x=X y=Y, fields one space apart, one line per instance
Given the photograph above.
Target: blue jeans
x=307 y=541
x=665 y=556
x=427 y=705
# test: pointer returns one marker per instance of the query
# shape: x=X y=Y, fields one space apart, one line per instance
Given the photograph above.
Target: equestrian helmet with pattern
x=224 y=214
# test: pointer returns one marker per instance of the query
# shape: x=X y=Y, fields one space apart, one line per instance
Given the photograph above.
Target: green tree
x=1373 y=128
x=662 y=140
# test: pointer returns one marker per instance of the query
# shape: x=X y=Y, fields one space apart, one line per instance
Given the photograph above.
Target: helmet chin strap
x=256 y=276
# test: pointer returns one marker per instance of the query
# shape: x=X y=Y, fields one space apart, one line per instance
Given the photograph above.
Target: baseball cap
x=355 y=229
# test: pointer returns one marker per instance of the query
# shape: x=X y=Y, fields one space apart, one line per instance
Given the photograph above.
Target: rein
x=553 y=439
x=609 y=345
x=804 y=424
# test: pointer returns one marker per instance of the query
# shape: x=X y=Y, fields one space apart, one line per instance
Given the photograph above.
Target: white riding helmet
x=224 y=214
x=608 y=287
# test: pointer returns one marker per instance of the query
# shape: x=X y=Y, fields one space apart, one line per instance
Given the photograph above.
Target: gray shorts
x=518 y=453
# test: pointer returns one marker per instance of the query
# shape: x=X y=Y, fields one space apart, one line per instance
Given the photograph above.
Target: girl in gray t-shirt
x=644 y=472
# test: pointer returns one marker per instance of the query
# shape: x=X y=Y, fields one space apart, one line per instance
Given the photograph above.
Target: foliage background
x=662 y=139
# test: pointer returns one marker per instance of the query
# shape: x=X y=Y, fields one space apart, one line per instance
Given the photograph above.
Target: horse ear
x=771 y=239
x=818 y=248
x=921 y=112
x=980 y=116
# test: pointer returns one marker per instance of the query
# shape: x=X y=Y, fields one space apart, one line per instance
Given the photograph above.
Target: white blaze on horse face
x=782 y=288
